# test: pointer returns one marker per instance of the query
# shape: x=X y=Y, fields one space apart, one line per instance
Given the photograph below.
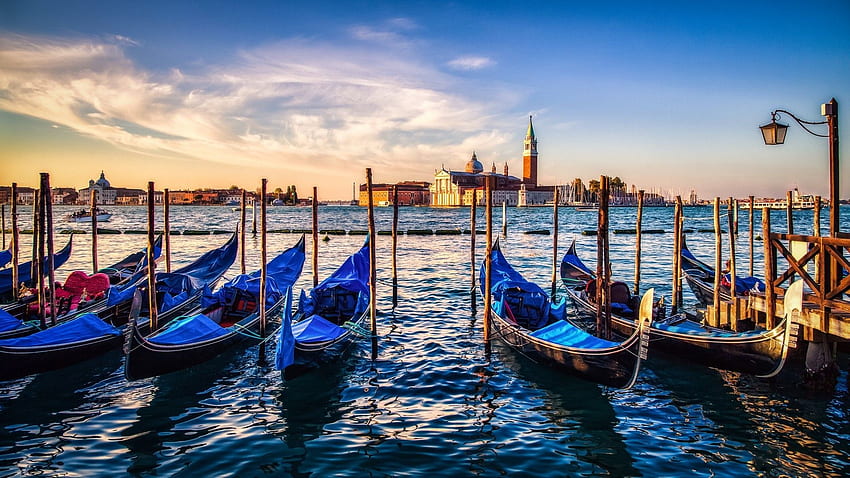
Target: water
x=433 y=402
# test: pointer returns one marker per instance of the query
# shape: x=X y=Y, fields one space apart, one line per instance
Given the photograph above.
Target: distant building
x=104 y=192
x=410 y=193
x=460 y=188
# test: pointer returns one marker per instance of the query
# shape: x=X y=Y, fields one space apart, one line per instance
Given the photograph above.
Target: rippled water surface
x=434 y=401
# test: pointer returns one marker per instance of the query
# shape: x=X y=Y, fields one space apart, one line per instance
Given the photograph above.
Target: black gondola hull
x=19 y=362
x=615 y=369
x=756 y=354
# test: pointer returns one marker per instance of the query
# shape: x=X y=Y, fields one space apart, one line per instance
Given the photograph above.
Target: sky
x=664 y=95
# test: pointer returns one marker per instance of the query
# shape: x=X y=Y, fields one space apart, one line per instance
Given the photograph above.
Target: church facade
x=460 y=188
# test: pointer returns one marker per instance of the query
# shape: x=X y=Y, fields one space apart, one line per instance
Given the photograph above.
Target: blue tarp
x=528 y=303
x=119 y=294
x=25 y=269
x=564 y=333
x=315 y=329
x=9 y=321
x=189 y=330
x=5 y=257
x=285 y=352
x=746 y=284
x=83 y=327
x=352 y=276
x=169 y=301
x=281 y=273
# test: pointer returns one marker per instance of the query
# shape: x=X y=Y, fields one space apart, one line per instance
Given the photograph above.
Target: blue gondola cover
x=9 y=321
x=5 y=257
x=563 y=333
x=285 y=352
x=316 y=329
x=187 y=330
x=84 y=327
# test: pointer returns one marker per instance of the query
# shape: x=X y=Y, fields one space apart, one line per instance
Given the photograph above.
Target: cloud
x=471 y=63
x=295 y=105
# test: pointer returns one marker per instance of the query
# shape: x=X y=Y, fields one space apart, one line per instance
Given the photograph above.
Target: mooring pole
x=166 y=227
x=681 y=239
x=638 y=227
x=472 y=234
x=752 y=250
x=677 y=256
x=373 y=312
x=242 y=223
x=718 y=261
x=504 y=219
x=254 y=213
x=769 y=270
x=395 y=245
x=263 y=274
x=152 y=314
x=15 y=238
x=93 y=212
x=604 y=194
x=732 y=270
x=789 y=208
x=735 y=213
x=51 y=265
x=816 y=218
x=3 y=225
x=555 y=244
x=315 y=233
x=42 y=290
x=488 y=260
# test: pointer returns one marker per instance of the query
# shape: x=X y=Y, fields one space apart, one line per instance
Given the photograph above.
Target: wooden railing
x=826 y=285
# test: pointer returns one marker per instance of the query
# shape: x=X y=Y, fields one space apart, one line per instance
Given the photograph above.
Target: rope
x=357 y=329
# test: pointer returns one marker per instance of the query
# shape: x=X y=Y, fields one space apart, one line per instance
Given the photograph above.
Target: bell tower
x=529 y=157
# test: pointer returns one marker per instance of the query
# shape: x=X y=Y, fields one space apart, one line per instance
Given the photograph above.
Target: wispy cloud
x=471 y=63
x=295 y=105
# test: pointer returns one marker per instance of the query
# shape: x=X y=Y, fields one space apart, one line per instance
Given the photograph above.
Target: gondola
x=92 y=333
x=25 y=269
x=328 y=318
x=78 y=294
x=758 y=352
x=5 y=257
x=527 y=321
x=229 y=315
x=700 y=278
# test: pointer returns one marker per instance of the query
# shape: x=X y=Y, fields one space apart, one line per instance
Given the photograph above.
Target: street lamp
x=774 y=133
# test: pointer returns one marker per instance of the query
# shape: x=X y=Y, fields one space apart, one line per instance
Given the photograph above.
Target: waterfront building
x=410 y=193
x=104 y=192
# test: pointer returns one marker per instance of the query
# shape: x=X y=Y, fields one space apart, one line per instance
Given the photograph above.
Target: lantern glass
x=774 y=133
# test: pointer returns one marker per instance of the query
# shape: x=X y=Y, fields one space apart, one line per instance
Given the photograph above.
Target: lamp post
x=774 y=133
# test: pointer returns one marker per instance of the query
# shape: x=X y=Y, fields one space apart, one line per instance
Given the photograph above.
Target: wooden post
x=48 y=224
x=789 y=208
x=504 y=219
x=166 y=227
x=677 y=257
x=555 y=245
x=735 y=213
x=395 y=245
x=152 y=307
x=263 y=255
x=769 y=270
x=732 y=271
x=718 y=260
x=681 y=239
x=3 y=225
x=603 y=282
x=638 y=227
x=15 y=245
x=93 y=212
x=242 y=222
x=315 y=233
x=373 y=312
x=488 y=260
x=816 y=218
x=254 y=213
x=473 y=279
x=38 y=225
x=752 y=250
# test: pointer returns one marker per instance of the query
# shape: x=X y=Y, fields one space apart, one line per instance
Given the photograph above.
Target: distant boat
x=278 y=202
x=84 y=215
x=239 y=208
x=798 y=201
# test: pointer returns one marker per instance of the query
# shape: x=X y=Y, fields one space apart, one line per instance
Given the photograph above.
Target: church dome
x=473 y=165
x=102 y=182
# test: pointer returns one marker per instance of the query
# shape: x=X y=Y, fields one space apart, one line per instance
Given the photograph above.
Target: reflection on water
x=434 y=400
